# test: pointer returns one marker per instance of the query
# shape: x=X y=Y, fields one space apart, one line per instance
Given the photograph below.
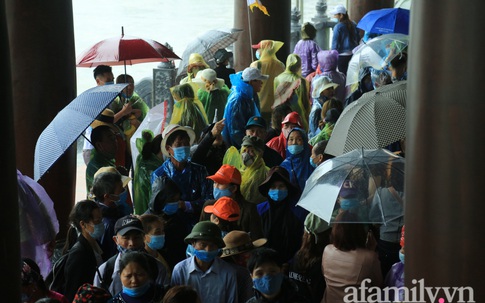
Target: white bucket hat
x=207 y=79
x=321 y=84
x=169 y=130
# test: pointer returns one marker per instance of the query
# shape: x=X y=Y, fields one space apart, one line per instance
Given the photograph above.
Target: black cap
x=256 y=121
x=128 y=223
x=222 y=55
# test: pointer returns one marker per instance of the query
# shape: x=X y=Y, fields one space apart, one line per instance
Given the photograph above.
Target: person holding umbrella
x=223 y=57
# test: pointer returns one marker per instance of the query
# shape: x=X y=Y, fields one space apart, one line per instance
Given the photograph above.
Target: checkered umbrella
x=69 y=124
x=375 y=120
x=206 y=45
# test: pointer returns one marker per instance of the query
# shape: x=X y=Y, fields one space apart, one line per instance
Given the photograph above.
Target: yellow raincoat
x=188 y=111
x=268 y=64
x=291 y=74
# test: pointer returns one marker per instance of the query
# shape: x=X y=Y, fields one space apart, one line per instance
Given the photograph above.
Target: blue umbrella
x=386 y=21
x=69 y=124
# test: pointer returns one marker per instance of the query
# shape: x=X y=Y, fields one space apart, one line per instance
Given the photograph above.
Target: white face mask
x=334 y=20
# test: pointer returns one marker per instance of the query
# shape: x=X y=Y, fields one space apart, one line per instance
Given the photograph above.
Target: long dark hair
x=311 y=250
x=82 y=211
x=350 y=27
x=348 y=236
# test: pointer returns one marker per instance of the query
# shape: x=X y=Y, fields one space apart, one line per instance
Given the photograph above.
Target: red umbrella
x=123 y=50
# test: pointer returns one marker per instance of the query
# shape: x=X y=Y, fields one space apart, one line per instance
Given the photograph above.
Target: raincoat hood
x=182 y=91
x=327 y=59
x=308 y=31
x=268 y=48
x=298 y=165
x=293 y=64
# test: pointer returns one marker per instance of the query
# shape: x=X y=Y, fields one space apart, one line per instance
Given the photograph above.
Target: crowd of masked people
x=211 y=214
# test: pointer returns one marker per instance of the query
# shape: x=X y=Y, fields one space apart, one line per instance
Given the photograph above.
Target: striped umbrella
x=69 y=124
x=375 y=120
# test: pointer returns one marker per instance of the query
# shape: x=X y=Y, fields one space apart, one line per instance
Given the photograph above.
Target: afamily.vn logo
x=416 y=294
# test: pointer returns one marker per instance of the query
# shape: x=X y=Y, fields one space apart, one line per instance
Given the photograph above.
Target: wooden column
x=358 y=8
x=445 y=173
x=44 y=81
x=273 y=27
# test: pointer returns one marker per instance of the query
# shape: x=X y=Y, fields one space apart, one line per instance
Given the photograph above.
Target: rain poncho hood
x=268 y=64
x=142 y=181
x=327 y=60
x=214 y=101
x=252 y=177
x=301 y=104
x=299 y=165
x=241 y=105
x=308 y=31
x=188 y=111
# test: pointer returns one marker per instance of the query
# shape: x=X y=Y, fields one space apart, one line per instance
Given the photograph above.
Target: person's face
x=104 y=78
x=256 y=84
x=112 y=198
x=295 y=138
x=280 y=185
x=130 y=240
x=250 y=150
x=96 y=218
x=289 y=126
x=129 y=89
x=317 y=159
x=108 y=144
x=329 y=93
x=179 y=142
x=221 y=186
x=205 y=245
x=133 y=275
x=158 y=229
x=338 y=16
x=265 y=269
x=242 y=258
x=256 y=131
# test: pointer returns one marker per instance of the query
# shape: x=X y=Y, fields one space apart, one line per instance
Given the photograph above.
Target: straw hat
x=111 y=169
x=238 y=242
x=320 y=84
x=169 y=130
x=284 y=91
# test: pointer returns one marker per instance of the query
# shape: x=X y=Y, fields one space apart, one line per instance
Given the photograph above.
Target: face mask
x=334 y=20
x=258 y=55
x=206 y=256
x=190 y=251
x=278 y=194
x=109 y=83
x=247 y=159
x=171 y=208
x=401 y=257
x=295 y=149
x=313 y=163
x=123 y=250
x=127 y=98
x=156 y=242
x=219 y=193
x=347 y=204
x=136 y=291
x=268 y=284
x=181 y=154
x=98 y=231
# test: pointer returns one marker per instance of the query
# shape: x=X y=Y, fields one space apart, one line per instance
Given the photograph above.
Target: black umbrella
x=70 y=123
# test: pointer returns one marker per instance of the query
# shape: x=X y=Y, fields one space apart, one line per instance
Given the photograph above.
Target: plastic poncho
x=214 y=101
x=307 y=49
x=141 y=181
x=327 y=61
x=268 y=64
x=252 y=177
x=323 y=135
x=241 y=105
x=188 y=111
x=298 y=166
x=293 y=73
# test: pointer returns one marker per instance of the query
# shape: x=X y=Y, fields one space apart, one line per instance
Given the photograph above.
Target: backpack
x=55 y=280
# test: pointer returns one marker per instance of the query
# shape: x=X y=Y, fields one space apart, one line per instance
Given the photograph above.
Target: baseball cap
x=224 y=208
x=339 y=9
x=226 y=174
x=292 y=117
x=222 y=55
x=251 y=73
x=256 y=121
x=128 y=223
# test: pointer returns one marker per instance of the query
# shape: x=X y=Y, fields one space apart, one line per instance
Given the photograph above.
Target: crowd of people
x=212 y=214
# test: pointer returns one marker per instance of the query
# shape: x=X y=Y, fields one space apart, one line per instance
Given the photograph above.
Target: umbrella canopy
x=376 y=53
x=375 y=120
x=357 y=182
x=125 y=50
x=206 y=45
x=69 y=124
x=386 y=21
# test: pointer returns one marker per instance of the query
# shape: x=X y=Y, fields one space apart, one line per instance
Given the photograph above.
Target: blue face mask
x=278 y=194
x=126 y=96
x=190 y=251
x=295 y=149
x=347 y=204
x=171 y=208
x=156 y=242
x=219 y=193
x=401 y=257
x=98 y=231
x=136 y=291
x=269 y=284
x=313 y=163
x=181 y=154
x=109 y=83
x=258 y=55
x=123 y=250
x=206 y=256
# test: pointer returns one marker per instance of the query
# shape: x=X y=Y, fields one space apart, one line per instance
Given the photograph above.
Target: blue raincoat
x=298 y=166
x=241 y=105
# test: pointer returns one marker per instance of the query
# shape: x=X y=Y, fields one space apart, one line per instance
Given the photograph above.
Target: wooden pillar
x=44 y=81
x=277 y=26
x=9 y=216
x=358 y=8
x=445 y=174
